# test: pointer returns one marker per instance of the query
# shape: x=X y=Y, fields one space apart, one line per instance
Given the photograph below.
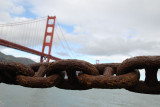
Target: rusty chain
x=81 y=75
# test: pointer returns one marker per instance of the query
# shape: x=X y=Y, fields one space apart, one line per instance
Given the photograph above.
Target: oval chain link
x=81 y=75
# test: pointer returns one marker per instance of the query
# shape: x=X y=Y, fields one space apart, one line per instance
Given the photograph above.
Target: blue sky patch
x=67 y=28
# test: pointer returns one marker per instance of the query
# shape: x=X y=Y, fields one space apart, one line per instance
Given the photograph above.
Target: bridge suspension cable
x=30 y=34
x=62 y=44
x=65 y=40
x=27 y=33
x=24 y=22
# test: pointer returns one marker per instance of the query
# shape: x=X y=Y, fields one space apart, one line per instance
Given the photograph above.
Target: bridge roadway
x=25 y=49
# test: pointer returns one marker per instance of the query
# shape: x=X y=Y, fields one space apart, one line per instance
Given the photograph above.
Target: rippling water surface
x=17 y=96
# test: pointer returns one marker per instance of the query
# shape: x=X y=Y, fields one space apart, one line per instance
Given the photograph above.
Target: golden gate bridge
x=28 y=36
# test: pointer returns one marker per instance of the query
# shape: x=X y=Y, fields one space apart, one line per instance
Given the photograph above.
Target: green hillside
x=10 y=58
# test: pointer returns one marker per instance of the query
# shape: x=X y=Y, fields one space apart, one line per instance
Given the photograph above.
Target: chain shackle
x=108 y=80
x=81 y=75
x=101 y=67
x=9 y=71
x=38 y=80
x=151 y=64
x=71 y=66
x=36 y=66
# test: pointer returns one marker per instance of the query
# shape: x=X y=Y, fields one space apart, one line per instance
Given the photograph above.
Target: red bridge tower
x=48 y=36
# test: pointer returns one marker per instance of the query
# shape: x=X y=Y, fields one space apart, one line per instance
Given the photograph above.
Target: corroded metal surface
x=16 y=68
x=107 y=80
x=36 y=66
x=38 y=82
x=71 y=65
x=139 y=62
x=81 y=75
x=151 y=65
x=141 y=87
x=101 y=67
x=9 y=70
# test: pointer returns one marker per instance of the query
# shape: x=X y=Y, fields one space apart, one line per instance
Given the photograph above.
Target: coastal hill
x=10 y=58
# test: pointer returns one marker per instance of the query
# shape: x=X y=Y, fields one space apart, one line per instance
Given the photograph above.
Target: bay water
x=18 y=96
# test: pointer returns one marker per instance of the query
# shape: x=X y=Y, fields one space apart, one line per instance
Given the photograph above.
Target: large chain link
x=81 y=75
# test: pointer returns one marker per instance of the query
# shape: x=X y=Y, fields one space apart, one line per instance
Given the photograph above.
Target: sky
x=104 y=30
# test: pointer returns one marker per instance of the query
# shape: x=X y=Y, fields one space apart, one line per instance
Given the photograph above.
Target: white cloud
x=4 y=16
x=106 y=28
x=10 y=6
x=18 y=10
